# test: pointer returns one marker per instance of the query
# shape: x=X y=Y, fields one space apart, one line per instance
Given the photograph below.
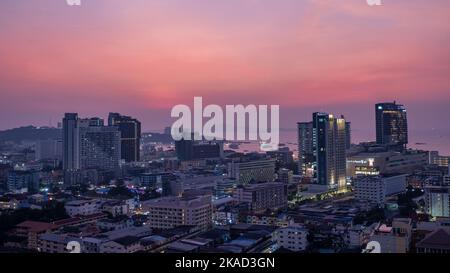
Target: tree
x=370 y=217
x=149 y=194
x=406 y=203
x=120 y=191
x=52 y=211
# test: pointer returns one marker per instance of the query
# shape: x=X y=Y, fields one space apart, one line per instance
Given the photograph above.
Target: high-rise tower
x=130 y=130
x=391 y=125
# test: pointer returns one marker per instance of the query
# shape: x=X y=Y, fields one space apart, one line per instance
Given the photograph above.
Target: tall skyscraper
x=348 y=132
x=130 y=130
x=305 y=146
x=70 y=141
x=88 y=144
x=322 y=145
x=99 y=145
x=391 y=125
x=329 y=139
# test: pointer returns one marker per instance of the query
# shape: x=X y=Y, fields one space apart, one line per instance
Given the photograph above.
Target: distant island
x=30 y=133
x=33 y=133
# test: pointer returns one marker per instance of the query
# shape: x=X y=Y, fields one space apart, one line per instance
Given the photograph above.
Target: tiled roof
x=127 y=240
x=34 y=226
x=439 y=239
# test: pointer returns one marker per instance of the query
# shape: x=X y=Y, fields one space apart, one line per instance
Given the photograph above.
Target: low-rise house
x=116 y=208
x=31 y=230
x=279 y=220
x=395 y=238
x=151 y=242
x=181 y=247
x=127 y=244
x=359 y=235
x=293 y=237
x=436 y=242
x=56 y=243
x=94 y=244
x=119 y=223
x=80 y=220
x=83 y=207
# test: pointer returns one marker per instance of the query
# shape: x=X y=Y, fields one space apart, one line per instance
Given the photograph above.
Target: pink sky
x=142 y=57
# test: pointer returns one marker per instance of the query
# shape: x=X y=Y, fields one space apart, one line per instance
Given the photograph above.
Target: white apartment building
x=114 y=224
x=83 y=207
x=375 y=189
x=293 y=237
x=56 y=243
x=385 y=163
x=170 y=212
x=116 y=208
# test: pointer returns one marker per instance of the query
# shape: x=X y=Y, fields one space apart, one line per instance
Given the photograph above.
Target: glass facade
x=392 y=125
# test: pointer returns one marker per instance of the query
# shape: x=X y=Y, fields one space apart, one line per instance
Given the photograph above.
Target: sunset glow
x=145 y=57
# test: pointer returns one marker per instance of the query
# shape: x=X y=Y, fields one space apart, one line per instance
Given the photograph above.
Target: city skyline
x=224 y=134
x=421 y=138
x=143 y=59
